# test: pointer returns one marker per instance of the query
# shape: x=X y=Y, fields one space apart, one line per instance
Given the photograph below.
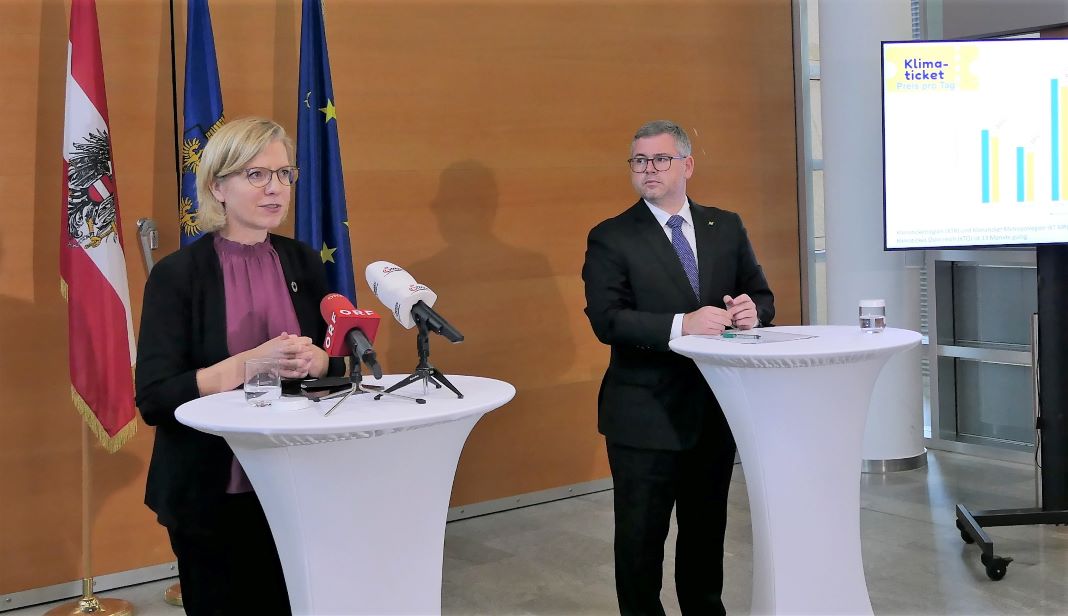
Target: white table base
x=376 y=549
x=806 y=560
x=357 y=500
x=798 y=410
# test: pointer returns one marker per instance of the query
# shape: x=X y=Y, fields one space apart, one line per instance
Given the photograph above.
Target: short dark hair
x=666 y=127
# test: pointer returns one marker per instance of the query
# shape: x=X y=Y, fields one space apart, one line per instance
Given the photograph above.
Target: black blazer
x=651 y=397
x=183 y=329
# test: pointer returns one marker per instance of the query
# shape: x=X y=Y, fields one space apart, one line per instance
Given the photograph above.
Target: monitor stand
x=1051 y=340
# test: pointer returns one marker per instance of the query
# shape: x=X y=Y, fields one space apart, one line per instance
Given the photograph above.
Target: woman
x=238 y=293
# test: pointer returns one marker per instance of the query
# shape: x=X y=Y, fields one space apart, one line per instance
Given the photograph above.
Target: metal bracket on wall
x=149 y=235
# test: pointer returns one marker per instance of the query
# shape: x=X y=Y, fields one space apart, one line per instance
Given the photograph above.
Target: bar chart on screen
x=975 y=142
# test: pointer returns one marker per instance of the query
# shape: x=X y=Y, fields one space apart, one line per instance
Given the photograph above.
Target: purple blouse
x=258 y=308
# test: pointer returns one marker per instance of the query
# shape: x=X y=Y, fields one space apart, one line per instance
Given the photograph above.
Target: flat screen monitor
x=975 y=143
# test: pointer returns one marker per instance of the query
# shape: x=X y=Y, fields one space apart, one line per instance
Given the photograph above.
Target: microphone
x=409 y=301
x=350 y=330
x=435 y=322
x=397 y=290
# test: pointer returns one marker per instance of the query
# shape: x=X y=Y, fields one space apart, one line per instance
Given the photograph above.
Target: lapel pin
x=711 y=223
x=293 y=285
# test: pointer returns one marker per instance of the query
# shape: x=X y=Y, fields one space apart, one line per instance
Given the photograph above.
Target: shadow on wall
x=503 y=298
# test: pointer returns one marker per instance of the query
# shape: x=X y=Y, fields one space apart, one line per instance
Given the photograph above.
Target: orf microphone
x=350 y=330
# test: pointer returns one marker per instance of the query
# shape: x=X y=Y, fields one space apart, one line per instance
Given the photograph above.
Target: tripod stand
x=424 y=371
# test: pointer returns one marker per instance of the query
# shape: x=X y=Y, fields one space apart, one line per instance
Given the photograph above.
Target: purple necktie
x=682 y=248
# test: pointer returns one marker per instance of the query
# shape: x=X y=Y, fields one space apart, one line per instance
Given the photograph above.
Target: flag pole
x=92 y=271
x=89 y=603
x=173 y=594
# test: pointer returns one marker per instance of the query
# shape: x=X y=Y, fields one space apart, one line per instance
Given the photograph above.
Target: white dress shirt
x=691 y=239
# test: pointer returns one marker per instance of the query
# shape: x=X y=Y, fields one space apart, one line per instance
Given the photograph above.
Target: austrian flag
x=91 y=260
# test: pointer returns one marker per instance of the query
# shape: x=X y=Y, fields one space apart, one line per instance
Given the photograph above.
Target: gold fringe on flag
x=215 y=127
x=111 y=443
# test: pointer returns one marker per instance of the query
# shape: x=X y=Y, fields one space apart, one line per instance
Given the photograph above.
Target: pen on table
x=736 y=335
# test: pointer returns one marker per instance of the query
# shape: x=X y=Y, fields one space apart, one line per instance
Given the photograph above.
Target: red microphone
x=350 y=330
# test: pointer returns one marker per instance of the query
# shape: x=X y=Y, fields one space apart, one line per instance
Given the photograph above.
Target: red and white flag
x=91 y=260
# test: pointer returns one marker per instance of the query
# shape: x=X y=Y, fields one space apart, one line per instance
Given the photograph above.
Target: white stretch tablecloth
x=797 y=410
x=357 y=500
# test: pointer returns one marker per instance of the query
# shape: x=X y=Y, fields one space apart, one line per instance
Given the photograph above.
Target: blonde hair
x=229 y=150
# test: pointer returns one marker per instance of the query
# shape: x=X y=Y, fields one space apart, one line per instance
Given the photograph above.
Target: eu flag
x=203 y=113
x=322 y=220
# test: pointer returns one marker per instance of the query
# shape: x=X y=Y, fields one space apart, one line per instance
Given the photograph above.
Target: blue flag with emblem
x=322 y=220
x=202 y=113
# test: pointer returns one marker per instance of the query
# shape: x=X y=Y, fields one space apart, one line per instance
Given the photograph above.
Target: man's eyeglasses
x=661 y=162
x=261 y=176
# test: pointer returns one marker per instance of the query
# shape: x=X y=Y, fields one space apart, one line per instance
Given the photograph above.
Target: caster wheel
x=173 y=595
x=995 y=566
x=965 y=537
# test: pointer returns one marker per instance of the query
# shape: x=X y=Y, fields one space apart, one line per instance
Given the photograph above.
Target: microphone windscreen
x=341 y=316
x=397 y=290
x=334 y=303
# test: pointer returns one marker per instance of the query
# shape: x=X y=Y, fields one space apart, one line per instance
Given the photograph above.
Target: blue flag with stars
x=322 y=220
x=202 y=114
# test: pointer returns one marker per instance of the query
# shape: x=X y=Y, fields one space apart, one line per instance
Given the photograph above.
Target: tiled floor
x=556 y=558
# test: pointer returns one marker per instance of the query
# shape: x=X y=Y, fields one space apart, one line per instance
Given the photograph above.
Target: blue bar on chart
x=1055 y=133
x=986 y=166
x=1020 y=174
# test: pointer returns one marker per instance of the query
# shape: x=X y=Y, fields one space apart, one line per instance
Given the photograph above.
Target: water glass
x=263 y=381
x=872 y=315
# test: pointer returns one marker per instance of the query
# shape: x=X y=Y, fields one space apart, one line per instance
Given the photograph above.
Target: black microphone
x=435 y=322
x=362 y=349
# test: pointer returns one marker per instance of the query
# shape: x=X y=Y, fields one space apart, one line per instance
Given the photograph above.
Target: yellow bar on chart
x=1030 y=167
x=995 y=173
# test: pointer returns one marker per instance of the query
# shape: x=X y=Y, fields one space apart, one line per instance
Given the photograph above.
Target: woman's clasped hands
x=297 y=356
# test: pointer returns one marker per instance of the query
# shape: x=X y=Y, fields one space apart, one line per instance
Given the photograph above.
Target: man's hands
x=709 y=320
x=742 y=310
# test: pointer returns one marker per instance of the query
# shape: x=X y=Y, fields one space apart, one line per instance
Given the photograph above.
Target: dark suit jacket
x=651 y=397
x=183 y=329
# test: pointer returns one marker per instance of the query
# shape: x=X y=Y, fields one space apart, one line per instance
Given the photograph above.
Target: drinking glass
x=263 y=382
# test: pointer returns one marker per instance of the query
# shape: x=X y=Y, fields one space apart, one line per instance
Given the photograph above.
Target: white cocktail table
x=356 y=500
x=797 y=410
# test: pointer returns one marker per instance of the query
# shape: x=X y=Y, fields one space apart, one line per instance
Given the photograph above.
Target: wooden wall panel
x=485 y=139
x=40 y=435
x=481 y=141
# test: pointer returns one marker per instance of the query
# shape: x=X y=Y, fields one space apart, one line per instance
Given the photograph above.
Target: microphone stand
x=356 y=380
x=424 y=371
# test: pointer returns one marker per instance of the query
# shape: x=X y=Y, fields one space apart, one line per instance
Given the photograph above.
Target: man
x=664 y=268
